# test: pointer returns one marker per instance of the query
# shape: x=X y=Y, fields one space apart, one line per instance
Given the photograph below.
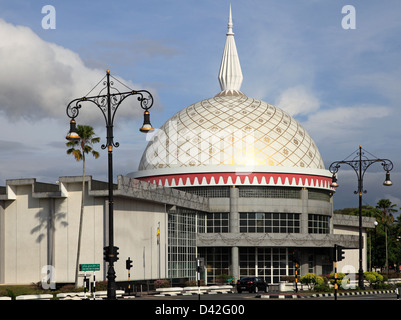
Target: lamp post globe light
x=108 y=101
x=360 y=163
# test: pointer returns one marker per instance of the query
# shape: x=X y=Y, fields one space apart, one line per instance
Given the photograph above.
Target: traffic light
x=115 y=253
x=295 y=256
x=339 y=252
x=106 y=254
x=200 y=264
x=128 y=263
x=110 y=256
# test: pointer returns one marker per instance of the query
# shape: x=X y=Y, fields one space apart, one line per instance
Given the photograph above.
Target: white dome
x=231 y=131
x=232 y=139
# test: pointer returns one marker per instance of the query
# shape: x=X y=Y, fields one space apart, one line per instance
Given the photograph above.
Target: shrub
x=161 y=283
x=223 y=278
x=194 y=283
x=374 y=278
x=70 y=288
x=11 y=294
x=310 y=279
x=288 y=278
x=340 y=277
x=322 y=287
x=101 y=285
x=371 y=278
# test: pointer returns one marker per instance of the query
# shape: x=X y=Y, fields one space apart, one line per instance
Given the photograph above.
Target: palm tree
x=79 y=149
x=387 y=209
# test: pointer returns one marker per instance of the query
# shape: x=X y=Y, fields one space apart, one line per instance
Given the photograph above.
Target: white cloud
x=298 y=101
x=40 y=78
x=347 y=124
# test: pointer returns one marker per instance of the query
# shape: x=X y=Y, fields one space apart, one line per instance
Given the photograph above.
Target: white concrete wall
x=26 y=242
x=67 y=215
x=352 y=255
x=25 y=237
x=135 y=230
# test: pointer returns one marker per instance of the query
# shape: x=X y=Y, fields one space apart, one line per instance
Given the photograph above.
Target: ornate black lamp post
x=360 y=163
x=108 y=101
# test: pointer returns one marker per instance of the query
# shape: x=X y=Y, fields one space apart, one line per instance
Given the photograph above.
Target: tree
x=387 y=209
x=396 y=235
x=79 y=149
x=385 y=238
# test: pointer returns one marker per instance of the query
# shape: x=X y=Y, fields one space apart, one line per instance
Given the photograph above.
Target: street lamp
x=108 y=100
x=360 y=163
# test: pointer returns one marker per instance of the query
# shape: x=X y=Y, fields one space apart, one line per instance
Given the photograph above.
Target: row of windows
x=263 y=222
x=208 y=192
x=272 y=262
x=182 y=243
x=268 y=263
x=258 y=192
x=319 y=195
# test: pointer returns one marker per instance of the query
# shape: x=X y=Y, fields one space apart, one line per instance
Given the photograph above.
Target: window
x=217 y=222
x=318 y=223
x=217 y=262
x=319 y=195
x=268 y=222
x=311 y=263
x=268 y=263
x=182 y=243
x=208 y=192
x=270 y=192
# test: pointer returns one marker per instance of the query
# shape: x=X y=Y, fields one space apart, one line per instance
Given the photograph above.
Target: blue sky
x=342 y=85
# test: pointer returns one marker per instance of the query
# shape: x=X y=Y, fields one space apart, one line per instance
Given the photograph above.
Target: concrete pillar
x=234 y=214
x=234 y=228
x=235 y=262
x=2 y=242
x=304 y=215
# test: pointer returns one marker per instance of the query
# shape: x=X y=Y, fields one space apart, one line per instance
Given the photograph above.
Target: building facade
x=269 y=193
x=232 y=179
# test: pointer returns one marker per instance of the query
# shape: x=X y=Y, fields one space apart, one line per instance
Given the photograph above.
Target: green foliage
x=84 y=145
x=340 y=277
x=384 y=239
x=367 y=211
x=324 y=287
x=10 y=293
x=309 y=279
x=373 y=277
x=223 y=278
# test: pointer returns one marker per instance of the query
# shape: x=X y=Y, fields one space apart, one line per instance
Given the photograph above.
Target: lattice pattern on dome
x=231 y=130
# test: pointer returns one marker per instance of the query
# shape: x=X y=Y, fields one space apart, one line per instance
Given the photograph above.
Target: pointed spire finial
x=230 y=24
x=230 y=75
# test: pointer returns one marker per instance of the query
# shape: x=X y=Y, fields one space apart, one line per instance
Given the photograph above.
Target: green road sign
x=89 y=267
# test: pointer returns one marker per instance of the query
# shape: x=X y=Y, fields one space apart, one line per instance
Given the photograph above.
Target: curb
x=321 y=295
x=355 y=293
x=174 y=294
x=279 y=296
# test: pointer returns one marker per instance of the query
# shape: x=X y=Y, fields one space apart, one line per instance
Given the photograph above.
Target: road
x=248 y=306
x=374 y=297
x=254 y=297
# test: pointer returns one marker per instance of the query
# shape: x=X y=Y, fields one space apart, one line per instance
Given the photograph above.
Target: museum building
x=232 y=179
